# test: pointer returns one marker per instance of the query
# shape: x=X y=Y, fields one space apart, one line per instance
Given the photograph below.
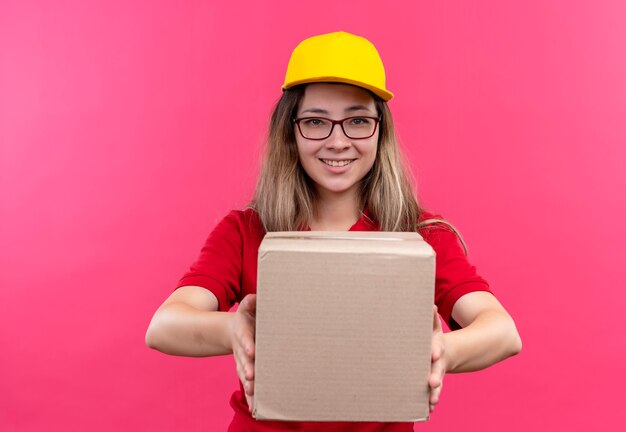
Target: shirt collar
x=364 y=223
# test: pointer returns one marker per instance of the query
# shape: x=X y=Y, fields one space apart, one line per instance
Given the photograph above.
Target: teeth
x=337 y=163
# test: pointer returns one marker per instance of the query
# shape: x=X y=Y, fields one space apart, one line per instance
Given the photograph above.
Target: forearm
x=490 y=338
x=180 y=329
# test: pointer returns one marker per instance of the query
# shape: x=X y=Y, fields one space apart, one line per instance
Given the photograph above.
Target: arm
x=488 y=335
x=188 y=324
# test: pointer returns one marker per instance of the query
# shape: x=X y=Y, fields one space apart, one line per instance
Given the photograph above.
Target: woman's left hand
x=438 y=362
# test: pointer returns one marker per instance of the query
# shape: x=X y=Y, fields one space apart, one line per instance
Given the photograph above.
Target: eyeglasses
x=319 y=128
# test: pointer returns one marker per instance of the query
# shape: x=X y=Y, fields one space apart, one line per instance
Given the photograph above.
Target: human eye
x=315 y=122
x=360 y=121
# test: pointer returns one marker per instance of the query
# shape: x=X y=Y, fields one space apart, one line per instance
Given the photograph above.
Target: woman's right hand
x=242 y=328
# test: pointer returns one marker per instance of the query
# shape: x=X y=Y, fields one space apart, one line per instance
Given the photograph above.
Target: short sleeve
x=218 y=268
x=454 y=275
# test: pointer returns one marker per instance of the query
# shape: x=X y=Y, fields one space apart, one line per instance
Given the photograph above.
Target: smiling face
x=336 y=164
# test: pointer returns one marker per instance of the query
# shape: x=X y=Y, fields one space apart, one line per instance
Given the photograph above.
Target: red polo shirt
x=227 y=266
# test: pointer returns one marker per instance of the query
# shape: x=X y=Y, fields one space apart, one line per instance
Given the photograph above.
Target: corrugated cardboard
x=343 y=326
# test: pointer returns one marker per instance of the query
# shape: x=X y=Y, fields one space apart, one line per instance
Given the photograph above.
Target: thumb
x=436 y=321
x=248 y=304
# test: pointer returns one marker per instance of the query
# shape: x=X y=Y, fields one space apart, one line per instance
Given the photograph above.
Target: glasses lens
x=315 y=128
x=359 y=127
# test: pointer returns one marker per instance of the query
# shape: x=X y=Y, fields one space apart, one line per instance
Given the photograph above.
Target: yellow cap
x=337 y=57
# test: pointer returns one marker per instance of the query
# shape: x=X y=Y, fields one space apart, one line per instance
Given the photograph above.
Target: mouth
x=337 y=163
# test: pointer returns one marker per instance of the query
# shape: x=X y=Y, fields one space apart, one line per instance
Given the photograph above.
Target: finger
x=246 y=365
x=248 y=304
x=246 y=370
x=248 y=344
x=434 y=395
x=245 y=338
x=436 y=374
x=241 y=370
x=249 y=369
x=250 y=385
x=436 y=321
x=240 y=374
x=250 y=401
x=437 y=351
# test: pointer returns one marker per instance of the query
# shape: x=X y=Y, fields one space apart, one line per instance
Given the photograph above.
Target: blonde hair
x=285 y=196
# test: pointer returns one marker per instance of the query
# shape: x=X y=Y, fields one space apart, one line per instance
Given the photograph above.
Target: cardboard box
x=343 y=326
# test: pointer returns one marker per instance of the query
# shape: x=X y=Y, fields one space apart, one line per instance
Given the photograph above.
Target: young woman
x=332 y=163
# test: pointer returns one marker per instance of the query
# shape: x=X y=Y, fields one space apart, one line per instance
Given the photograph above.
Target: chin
x=336 y=188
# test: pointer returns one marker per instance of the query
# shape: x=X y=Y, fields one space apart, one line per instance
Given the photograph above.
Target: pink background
x=128 y=129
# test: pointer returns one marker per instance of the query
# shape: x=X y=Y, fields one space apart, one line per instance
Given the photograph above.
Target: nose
x=337 y=139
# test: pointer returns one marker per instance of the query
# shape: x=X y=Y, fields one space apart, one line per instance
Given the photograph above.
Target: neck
x=335 y=212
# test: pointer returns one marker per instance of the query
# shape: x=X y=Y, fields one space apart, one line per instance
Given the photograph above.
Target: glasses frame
x=335 y=122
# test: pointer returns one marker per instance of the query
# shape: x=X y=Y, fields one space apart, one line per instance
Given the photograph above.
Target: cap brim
x=382 y=93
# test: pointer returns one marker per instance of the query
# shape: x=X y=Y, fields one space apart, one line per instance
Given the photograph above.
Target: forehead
x=335 y=97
